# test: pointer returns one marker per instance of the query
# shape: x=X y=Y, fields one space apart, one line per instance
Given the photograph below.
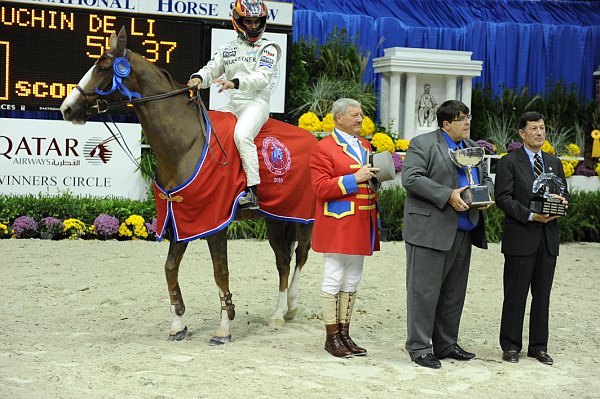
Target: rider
x=248 y=63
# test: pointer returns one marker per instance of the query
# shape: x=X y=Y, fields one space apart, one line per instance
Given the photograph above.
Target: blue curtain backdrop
x=520 y=42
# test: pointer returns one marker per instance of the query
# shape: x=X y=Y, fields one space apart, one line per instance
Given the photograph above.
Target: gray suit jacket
x=429 y=176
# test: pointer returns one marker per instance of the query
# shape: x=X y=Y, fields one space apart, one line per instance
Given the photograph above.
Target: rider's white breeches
x=341 y=272
x=251 y=117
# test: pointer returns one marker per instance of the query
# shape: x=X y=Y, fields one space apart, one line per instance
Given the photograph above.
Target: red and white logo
x=276 y=156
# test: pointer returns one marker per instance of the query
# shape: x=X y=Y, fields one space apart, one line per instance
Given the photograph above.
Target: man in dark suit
x=530 y=242
x=439 y=229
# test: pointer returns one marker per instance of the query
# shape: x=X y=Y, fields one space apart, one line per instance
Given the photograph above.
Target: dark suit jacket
x=514 y=181
x=429 y=176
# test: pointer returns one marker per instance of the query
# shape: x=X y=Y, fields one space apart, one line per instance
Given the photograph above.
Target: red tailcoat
x=346 y=217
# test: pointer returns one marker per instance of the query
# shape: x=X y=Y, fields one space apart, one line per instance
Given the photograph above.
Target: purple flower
x=515 y=145
x=106 y=226
x=487 y=146
x=151 y=229
x=25 y=227
x=51 y=225
x=583 y=170
x=397 y=161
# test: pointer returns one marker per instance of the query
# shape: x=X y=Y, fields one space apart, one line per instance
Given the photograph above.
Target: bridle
x=103 y=106
x=121 y=70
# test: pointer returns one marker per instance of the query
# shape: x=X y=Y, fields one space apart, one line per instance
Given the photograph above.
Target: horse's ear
x=112 y=42
x=118 y=43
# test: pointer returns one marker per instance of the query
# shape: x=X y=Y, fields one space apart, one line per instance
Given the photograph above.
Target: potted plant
x=106 y=226
x=50 y=228
x=25 y=227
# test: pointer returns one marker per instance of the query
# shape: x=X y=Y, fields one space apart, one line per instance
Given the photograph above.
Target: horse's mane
x=163 y=72
x=169 y=77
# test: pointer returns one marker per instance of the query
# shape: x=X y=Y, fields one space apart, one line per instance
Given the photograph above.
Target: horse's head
x=106 y=80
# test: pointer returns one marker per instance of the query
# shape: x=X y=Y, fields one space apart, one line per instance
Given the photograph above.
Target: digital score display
x=44 y=51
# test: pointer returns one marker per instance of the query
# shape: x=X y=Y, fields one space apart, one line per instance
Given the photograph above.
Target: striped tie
x=538 y=168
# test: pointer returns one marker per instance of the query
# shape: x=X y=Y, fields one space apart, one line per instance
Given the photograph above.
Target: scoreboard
x=44 y=51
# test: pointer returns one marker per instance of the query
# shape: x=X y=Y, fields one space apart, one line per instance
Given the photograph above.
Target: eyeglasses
x=463 y=118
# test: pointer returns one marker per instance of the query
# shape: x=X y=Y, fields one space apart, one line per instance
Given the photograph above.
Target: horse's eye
x=102 y=68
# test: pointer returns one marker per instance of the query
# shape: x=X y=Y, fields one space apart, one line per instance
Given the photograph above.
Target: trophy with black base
x=545 y=189
x=476 y=196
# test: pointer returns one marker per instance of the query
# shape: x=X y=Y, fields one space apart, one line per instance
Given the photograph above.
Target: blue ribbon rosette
x=122 y=69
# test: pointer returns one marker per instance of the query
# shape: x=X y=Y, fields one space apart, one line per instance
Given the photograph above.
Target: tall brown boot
x=333 y=344
x=346 y=305
x=329 y=310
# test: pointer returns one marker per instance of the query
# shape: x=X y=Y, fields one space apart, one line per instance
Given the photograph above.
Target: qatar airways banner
x=52 y=157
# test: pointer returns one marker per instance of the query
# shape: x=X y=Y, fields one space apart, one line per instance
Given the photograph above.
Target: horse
x=176 y=130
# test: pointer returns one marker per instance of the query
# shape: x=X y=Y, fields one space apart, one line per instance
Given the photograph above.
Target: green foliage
x=147 y=162
x=339 y=57
x=326 y=90
x=68 y=205
x=580 y=223
x=320 y=75
x=493 y=223
x=298 y=77
x=251 y=228
x=501 y=131
x=391 y=210
x=582 y=219
x=87 y=209
x=495 y=117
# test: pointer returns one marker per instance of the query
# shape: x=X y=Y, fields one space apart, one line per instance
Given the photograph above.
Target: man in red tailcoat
x=346 y=220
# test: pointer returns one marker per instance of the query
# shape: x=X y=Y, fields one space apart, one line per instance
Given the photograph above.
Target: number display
x=44 y=51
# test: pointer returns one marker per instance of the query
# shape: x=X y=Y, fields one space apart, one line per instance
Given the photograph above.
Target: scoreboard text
x=45 y=51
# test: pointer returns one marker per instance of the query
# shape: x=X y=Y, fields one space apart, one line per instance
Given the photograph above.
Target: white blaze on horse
x=199 y=176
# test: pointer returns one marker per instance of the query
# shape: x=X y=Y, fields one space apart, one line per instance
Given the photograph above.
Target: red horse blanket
x=207 y=201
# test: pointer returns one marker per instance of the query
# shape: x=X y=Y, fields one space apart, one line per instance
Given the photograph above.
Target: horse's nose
x=67 y=112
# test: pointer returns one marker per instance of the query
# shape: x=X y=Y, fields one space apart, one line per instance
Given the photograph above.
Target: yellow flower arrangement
x=598 y=169
x=382 y=142
x=4 y=231
x=547 y=147
x=402 y=145
x=573 y=150
x=133 y=227
x=502 y=154
x=368 y=127
x=328 y=123
x=310 y=121
x=74 y=228
x=568 y=168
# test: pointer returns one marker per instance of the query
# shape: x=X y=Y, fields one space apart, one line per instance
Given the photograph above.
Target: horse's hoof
x=220 y=340
x=291 y=314
x=178 y=336
x=276 y=323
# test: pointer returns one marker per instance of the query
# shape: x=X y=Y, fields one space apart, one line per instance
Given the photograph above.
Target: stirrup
x=248 y=201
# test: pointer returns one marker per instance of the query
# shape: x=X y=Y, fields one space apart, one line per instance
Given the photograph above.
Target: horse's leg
x=303 y=237
x=217 y=244
x=281 y=238
x=176 y=251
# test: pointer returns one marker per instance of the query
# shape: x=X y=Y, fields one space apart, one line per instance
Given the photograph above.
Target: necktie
x=538 y=168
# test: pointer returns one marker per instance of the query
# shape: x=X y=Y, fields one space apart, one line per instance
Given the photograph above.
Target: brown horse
x=170 y=122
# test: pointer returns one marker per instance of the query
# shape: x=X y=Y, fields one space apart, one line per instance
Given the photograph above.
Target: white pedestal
x=415 y=81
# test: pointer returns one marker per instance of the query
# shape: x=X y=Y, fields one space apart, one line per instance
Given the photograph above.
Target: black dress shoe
x=459 y=353
x=511 y=356
x=542 y=357
x=428 y=360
